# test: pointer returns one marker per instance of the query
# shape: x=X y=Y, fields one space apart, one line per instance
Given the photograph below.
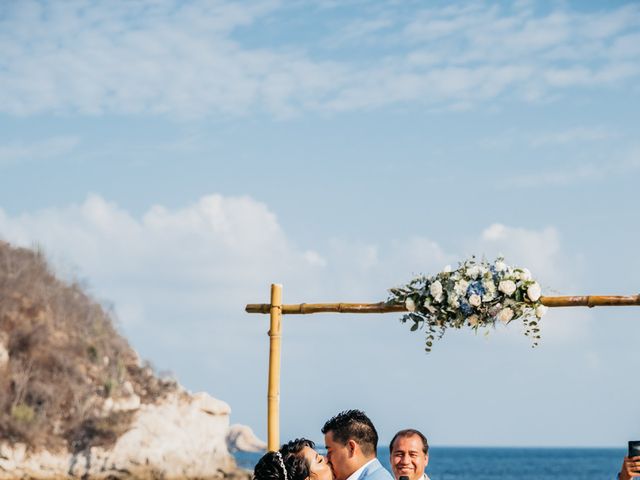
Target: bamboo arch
x=276 y=309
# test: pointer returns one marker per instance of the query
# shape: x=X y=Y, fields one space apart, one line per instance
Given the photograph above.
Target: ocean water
x=467 y=463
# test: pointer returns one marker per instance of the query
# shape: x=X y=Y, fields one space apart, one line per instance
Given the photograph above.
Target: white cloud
x=212 y=257
x=624 y=163
x=557 y=177
x=514 y=138
x=19 y=152
x=572 y=135
x=627 y=46
x=216 y=245
x=538 y=250
x=198 y=58
x=180 y=277
x=359 y=31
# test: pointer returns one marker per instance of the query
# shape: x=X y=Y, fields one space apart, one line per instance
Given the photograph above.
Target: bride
x=296 y=460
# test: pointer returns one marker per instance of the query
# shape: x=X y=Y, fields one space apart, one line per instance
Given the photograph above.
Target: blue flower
x=465 y=308
x=476 y=288
x=494 y=273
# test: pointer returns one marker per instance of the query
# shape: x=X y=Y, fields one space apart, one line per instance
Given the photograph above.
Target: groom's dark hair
x=353 y=425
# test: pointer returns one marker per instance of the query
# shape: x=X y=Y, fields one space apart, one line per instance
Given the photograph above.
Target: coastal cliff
x=76 y=401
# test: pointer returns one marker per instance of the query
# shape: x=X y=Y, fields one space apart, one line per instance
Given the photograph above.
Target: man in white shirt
x=409 y=455
x=352 y=443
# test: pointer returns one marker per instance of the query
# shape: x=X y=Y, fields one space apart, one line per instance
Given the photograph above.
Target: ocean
x=467 y=463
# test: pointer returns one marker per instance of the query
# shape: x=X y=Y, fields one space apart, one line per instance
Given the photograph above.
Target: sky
x=179 y=157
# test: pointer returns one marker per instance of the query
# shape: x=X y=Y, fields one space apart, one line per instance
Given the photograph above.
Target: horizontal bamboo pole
x=382 y=307
x=591 y=301
x=306 y=308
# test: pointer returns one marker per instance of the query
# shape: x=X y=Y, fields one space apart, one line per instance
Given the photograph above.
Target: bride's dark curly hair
x=269 y=467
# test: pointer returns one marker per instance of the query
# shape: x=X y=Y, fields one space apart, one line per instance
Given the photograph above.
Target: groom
x=352 y=442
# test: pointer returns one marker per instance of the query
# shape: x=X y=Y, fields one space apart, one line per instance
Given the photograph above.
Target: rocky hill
x=75 y=400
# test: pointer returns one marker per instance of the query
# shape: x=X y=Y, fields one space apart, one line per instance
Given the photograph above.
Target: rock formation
x=75 y=401
x=183 y=436
x=241 y=438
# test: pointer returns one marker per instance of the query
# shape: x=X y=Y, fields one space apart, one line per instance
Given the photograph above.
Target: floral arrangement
x=477 y=294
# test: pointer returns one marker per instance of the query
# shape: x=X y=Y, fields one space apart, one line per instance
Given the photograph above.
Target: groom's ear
x=351 y=447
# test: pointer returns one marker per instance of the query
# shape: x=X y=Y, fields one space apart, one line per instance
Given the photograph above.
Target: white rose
x=507 y=287
x=461 y=287
x=526 y=274
x=410 y=304
x=453 y=301
x=533 y=292
x=473 y=272
x=436 y=291
x=488 y=285
x=500 y=266
x=541 y=310
x=447 y=269
x=487 y=297
x=505 y=315
x=473 y=320
x=475 y=300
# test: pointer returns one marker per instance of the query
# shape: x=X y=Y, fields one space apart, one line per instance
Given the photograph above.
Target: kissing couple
x=351 y=441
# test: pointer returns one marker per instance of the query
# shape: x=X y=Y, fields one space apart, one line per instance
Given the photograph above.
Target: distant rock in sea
x=240 y=438
x=76 y=402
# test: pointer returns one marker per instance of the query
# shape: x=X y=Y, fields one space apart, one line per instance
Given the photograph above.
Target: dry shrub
x=65 y=357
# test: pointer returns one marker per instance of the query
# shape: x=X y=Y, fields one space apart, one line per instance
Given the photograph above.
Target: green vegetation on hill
x=65 y=358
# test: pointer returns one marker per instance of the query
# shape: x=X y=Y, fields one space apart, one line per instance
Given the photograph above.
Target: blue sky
x=180 y=157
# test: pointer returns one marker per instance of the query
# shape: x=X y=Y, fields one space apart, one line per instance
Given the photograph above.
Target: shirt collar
x=356 y=474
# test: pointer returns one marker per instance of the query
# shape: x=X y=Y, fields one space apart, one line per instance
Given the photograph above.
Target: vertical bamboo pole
x=273 y=394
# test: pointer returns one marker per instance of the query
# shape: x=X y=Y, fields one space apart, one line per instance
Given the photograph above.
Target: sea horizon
x=505 y=463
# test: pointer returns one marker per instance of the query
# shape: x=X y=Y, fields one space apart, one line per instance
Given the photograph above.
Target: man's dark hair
x=409 y=432
x=353 y=425
x=270 y=468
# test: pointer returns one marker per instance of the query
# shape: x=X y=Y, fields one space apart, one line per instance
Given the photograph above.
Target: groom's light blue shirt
x=372 y=471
